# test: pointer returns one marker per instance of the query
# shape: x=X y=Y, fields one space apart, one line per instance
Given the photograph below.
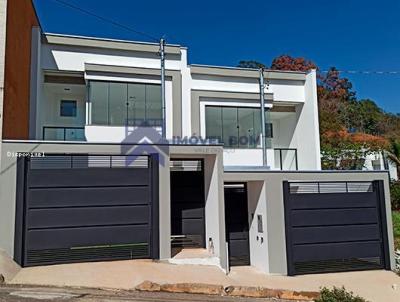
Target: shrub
x=395 y=194
x=338 y=295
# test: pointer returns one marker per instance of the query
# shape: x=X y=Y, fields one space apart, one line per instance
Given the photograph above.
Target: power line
x=367 y=72
x=115 y=23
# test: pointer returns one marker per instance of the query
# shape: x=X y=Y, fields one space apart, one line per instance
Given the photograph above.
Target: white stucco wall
x=59 y=57
x=257 y=205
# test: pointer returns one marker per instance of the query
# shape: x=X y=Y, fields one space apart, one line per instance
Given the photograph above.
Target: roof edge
x=246 y=72
x=87 y=41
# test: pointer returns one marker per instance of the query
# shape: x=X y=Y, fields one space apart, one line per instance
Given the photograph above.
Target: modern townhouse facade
x=89 y=177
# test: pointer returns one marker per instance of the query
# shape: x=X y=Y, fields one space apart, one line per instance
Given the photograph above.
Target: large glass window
x=236 y=127
x=120 y=104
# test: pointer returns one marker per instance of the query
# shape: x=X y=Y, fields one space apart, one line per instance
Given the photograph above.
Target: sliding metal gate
x=74 y=208
x=335 y=226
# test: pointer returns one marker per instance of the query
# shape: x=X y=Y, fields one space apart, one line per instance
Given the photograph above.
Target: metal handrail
x=280 y=156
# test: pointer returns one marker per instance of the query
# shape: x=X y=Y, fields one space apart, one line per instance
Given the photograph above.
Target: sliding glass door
x=236 y=127
x=122 y=104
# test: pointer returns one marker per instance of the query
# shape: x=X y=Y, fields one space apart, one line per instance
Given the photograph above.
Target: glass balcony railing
x=286 y=159
x=51 y=133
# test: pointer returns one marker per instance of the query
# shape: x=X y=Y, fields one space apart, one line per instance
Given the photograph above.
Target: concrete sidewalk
x=372 y=285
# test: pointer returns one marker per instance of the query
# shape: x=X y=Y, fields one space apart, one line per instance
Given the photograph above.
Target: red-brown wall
x=21 y=18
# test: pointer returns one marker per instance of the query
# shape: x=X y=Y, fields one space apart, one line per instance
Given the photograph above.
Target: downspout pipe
x=262 y=104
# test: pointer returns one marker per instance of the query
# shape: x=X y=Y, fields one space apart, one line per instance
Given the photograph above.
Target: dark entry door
x=237 y=224
x=187 y=203
x=335 y=226
x=87 y=208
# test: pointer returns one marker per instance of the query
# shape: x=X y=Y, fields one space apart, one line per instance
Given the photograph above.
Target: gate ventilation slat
x=88 y=161
x=337 y=265
x=66 y=255
x=186 y=165
x=330 y=187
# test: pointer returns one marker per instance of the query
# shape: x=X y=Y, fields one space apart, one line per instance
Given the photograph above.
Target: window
x=68 y=108
x=236 y=127
x=121 y=104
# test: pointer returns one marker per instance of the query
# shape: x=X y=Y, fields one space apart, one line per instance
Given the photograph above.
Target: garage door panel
x=88 y=216
x=77 y=197
x=335 y=226
x=317 y=252
x=86 y=236
x=88 y=177
x=86 y=213
x=360 y=200
x=333 y=216
x=334 y=234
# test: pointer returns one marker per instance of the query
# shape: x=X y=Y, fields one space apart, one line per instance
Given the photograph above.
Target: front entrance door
x=187 y=204
x=237 y=224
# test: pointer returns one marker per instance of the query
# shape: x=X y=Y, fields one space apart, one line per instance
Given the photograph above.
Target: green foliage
x=338 y=295
x=395 y=195
x=251 y=64
x=396 y=228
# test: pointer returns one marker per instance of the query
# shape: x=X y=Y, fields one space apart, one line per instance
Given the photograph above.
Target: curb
x=232 y=291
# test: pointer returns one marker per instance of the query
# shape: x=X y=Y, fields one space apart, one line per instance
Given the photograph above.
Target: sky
x=350 y=35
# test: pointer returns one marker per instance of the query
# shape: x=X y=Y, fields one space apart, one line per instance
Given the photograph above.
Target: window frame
x=221 y=107
x=145 y=120
x=74 y=110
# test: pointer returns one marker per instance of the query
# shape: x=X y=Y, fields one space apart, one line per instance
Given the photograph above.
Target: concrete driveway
x=373 y=285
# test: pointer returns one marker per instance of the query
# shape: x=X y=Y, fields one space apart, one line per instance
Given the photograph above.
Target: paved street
x=51 y=294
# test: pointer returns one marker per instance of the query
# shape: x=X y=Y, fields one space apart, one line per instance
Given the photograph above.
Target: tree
x=337 y=86
x=342 y=150
x=251 y=64
x=286 y=62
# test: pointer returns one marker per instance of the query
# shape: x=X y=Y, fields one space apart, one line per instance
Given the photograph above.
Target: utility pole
x=262 y=101
x=162 y=56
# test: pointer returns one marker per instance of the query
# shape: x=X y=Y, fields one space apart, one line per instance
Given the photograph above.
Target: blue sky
x=351 y=35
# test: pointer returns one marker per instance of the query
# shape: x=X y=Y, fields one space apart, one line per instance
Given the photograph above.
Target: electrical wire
x=104 y=19
x=366 y=72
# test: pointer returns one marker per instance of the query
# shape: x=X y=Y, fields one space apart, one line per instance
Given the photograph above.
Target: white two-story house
x=99 y=90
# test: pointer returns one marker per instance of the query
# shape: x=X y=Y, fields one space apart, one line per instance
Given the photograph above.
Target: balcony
x=286 y=159
x=51 y=133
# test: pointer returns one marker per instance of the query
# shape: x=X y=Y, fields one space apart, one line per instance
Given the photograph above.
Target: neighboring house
x=100 y=187
x=17 y=19
x=3 y=7
x=377 y=162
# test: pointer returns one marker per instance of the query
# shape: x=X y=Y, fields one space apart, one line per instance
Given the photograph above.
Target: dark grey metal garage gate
x=335 y=226
x=73 y=208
